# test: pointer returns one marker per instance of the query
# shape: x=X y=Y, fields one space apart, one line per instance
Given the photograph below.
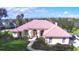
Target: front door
x=34 y=33
x=41 y=32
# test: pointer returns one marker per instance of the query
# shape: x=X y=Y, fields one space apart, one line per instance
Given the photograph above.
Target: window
x=63 y=41
x=50 y=39
x=15 y=35
x=25 y=32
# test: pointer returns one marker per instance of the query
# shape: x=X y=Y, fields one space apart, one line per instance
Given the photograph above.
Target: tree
x=22 y=15
x=3 y=13
x=66 y=23
x=19 y=19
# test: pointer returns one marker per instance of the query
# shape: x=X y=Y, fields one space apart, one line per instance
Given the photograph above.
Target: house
x=8 y=24
x=76 y=24
x=42 y=28
x=56 y=35
x=2 y=26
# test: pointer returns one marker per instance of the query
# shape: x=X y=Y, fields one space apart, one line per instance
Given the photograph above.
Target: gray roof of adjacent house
x=77 y=24
x=4 y=24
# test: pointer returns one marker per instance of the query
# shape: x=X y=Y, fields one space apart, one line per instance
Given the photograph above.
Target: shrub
x=41 y=40
x=40 y=44
x=1 y=34
x=60 y=47
x=6 y=36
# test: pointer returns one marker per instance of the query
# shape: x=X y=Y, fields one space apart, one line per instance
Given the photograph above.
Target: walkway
x=29 y=46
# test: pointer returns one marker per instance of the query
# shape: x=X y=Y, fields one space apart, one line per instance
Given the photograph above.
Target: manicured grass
x=13 y=45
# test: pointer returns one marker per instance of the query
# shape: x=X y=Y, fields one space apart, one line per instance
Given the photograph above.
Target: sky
x=42 y=12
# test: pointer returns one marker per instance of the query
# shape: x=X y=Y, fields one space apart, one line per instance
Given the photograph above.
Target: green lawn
x=20 y=45
x=76 y=32
x=13 y=45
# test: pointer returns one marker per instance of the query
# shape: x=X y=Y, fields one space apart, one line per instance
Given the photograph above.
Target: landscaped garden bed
x=41 y=45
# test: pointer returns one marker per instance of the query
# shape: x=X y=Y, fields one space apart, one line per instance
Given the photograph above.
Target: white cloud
x=13 y=11
x=36 y=12
x=66 y=12
x=59 y=15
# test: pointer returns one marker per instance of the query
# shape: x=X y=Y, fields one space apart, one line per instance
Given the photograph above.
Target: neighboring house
x=8 y=24
x=76 y=24
x=2 y=26
x=42 y=28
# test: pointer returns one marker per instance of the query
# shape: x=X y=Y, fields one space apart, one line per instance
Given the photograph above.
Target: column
x=38 y=33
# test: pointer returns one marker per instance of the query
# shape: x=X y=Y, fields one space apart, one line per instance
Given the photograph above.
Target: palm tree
x=3 y=13
x=19 y=19
x=22 y=15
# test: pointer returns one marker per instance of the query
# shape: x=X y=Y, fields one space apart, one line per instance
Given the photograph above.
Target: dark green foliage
x=40 y=40
x=3 y=13
x=1 y=34
x=6 y=35
x=65 y=23
x=60 y=47
x=40 y=44
x=13 y=45
x=19 y=19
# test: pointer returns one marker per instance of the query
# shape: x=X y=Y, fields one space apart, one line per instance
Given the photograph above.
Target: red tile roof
x=39 y=24
x=56 y=32
x=35 y=24
x=13 y=30
x=19 y=29
x=51 y=30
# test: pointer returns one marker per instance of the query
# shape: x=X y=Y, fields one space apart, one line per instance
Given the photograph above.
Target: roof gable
x=56 y=31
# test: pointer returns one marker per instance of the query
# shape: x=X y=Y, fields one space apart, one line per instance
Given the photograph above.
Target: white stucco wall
x=15 y=35
x=55 y=41
x=38 y=33
x=22 y=34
